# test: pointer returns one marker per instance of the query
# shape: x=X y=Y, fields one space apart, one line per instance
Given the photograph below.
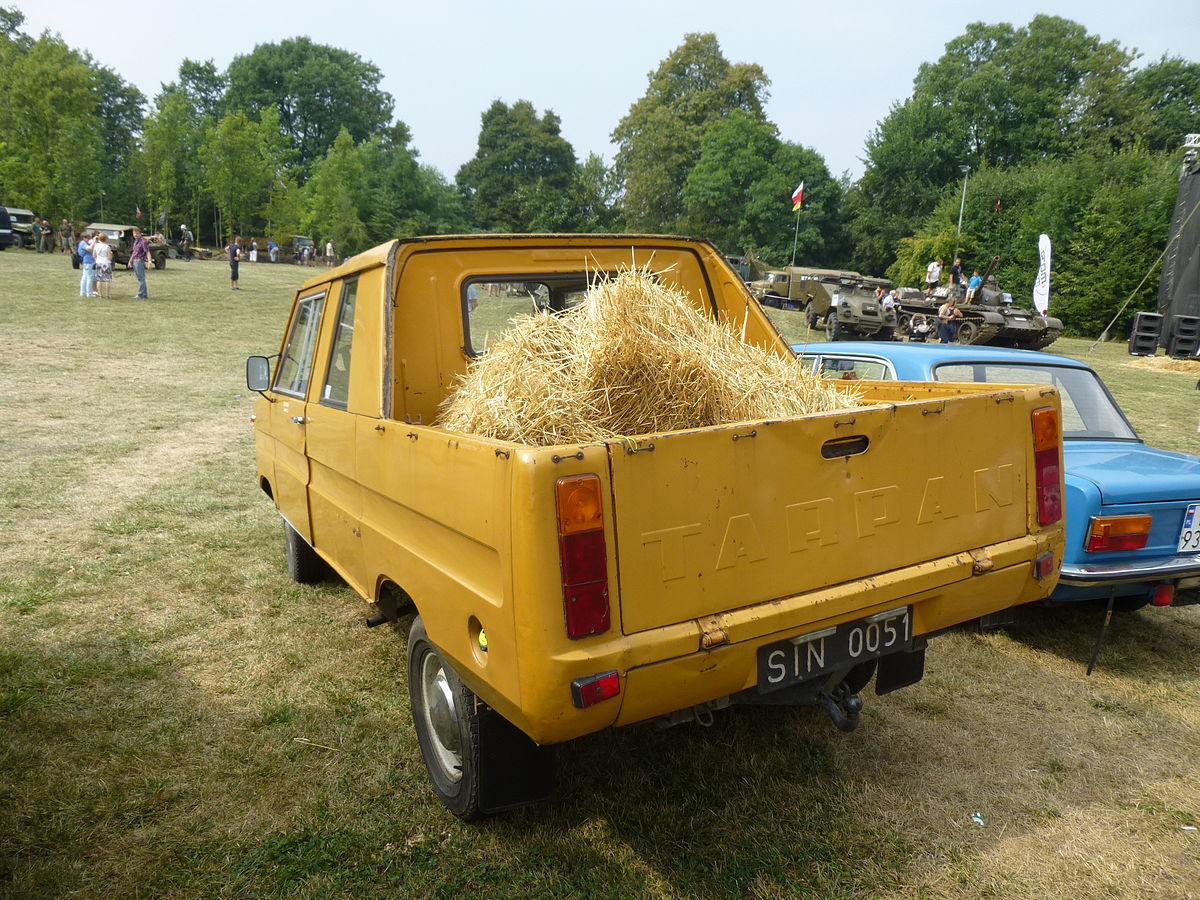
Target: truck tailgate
x=767 y=510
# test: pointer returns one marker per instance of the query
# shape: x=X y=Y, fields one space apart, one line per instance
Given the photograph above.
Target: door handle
x=299 y=420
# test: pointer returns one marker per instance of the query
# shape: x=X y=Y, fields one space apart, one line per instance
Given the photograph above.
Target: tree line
x=1053 y=129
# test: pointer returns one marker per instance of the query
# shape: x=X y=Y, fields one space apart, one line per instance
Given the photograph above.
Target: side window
x=337 y=378
x=295 y=364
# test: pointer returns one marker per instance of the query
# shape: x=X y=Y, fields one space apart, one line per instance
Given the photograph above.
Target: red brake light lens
x=1047 y=445
x=1109 y=533
x=582 y=555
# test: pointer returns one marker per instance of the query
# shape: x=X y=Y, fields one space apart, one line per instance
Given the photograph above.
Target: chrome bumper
x=1172 y=568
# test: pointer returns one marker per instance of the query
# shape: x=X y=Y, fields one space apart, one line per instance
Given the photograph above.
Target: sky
x=835 y=67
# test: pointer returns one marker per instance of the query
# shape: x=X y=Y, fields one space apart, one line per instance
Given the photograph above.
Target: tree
x=336 y=197
x=1167 y=94
x=171 y=147
x=522 y=171
x=998 y=96
x=240 y=160
x=660 y=137
x=43 y=89
x=315 y=90
x=739 y=194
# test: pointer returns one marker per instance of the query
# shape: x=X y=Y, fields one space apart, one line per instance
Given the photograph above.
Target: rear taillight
x=1108 y=533
x=582 y=556
x=1047 y=468
x=1163 y=595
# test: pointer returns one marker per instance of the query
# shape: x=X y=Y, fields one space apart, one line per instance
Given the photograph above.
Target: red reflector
x=586 y=608
x=1043 y=566
x=594 y=688
x=1049 y=485
x=1164 y=595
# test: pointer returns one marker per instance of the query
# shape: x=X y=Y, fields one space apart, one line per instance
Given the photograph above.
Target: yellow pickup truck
x=557 y=591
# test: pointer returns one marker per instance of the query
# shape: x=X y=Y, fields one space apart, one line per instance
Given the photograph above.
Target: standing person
x=138 y=257
x=253 y=250
x=957 y=285
x=235 y=255
x=273 y=251
x=973 y=285
x=39 y=235
x=48 y=235
x=88 y=263
x=185 y=243
x=948 y=316
x=329 y=255
x=933 y=275
x=66 y=236
x=104 y=265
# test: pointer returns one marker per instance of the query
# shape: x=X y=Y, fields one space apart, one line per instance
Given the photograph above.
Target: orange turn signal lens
x=1108 y=533
x=1045 y=428
x=579 y=507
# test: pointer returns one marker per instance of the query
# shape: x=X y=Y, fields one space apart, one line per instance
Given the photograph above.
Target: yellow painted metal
x=718 y=539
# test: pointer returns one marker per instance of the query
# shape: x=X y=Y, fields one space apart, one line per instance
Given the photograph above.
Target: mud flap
x=513 y=770
x=899 y=670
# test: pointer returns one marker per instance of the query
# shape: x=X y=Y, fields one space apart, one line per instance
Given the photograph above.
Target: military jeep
x=120 y=238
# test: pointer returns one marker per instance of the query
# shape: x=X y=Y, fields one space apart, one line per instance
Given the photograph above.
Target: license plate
x=807 y=656
x=1189 y=534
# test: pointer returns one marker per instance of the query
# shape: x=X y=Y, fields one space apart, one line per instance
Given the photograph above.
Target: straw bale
x=635 y=357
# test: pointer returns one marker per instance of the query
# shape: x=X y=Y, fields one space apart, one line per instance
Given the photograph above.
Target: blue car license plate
x=808 y=656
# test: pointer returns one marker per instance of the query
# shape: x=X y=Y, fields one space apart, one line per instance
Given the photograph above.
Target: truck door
x=289 y=414
x=335 y=495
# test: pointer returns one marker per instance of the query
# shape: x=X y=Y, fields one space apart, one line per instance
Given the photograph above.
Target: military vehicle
x=844 y=302
x=988 y=317
x=22 y=227
x=120 y=238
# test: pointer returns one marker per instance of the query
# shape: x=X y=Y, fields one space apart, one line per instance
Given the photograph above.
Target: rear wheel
x=834 y=327
x=303 y=563
x=445 y=714
x=968 y=331
x=160 y=259
x=809 y=316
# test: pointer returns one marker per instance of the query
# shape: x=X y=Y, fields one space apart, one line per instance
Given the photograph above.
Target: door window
x=337 y=378
x=295 y=364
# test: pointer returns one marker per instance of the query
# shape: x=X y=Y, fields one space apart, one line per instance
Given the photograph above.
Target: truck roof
x=384 y=253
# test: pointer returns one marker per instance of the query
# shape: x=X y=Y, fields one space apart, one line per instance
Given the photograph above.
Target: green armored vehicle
x=989 y=316
x=846 y=303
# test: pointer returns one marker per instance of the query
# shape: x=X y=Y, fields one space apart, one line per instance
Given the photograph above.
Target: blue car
x=1132 y=511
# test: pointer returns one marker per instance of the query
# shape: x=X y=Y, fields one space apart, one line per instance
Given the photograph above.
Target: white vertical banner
x=1041 y=287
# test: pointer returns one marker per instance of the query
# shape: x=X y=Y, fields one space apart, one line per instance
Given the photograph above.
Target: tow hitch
x=843 y=705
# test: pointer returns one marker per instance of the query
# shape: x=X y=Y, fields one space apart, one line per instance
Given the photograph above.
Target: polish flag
x=797 y=197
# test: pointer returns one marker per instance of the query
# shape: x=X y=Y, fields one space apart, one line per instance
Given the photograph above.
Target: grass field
x=178 y=719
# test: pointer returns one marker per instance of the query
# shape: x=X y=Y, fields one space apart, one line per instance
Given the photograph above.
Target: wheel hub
x=441 y=717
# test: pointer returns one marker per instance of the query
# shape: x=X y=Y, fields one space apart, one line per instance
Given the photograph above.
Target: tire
x=809 y=316
x=968 y=330
x=303 y=564
x=834 y=327
x=160 y=260
x=886 y=333
x=904 y=323
x=446 y=718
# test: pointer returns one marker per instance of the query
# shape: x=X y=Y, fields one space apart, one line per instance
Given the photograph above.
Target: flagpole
x=795 y=237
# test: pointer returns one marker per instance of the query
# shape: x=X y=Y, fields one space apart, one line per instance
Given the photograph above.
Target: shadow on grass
x=1144 y=644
